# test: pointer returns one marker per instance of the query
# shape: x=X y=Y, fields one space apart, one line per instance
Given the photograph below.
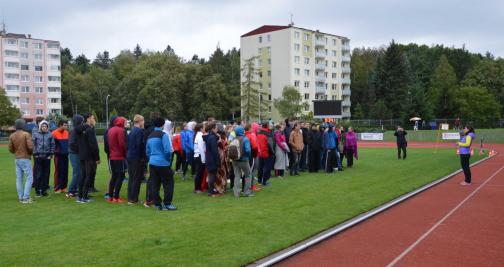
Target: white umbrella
x=415 y=119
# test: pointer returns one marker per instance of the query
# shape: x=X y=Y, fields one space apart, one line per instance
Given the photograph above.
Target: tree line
x=402 y=81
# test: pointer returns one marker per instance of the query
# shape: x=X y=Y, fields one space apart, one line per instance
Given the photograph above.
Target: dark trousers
x=162 y=175
x=88 y=172
x=464 y=161
x=115 y=184
x=211 y=181
x=331 y=159
x=180 y=159
x=188 y=161
x=42 y=170
x=399 y=148
x=294 y=163
x=135 y=173
x=61 y=171
x=314 y=160
x=349 y=157
x=199 y=169
x=148 y=189
x=264 y=173
x=303 y=159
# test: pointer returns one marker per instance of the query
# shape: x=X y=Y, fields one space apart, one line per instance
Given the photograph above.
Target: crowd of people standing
x=210 y=152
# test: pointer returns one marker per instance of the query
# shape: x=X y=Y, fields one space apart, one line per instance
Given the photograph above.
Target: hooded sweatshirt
x=43 y=142
x=117 y=140
x=61 y=141
x=351 y=143
x=240 y=132
x=73 y=147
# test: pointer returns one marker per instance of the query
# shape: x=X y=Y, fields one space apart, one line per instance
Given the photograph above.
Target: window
x=334 y=64
x=25 y=67
x=11 y=41
x=53 y=78
x=269 y=109
x=259 y=50
x=269 y=73
x=14 y=65
x=25 y=100
x=306 y=48
x=23 y=44
x=334 y=97
x=325 y=52
x=54 y=100
x=25 y=89
x=53 y=45
x=306 y=60
x=25 y=78
x=296 y=35
x=333 y=86
x=26 y=112
x=269 y=86
x=259 y=63
x=296 y=47
x=296 y=84
x=260 y=74
x=56 y=111
x=269 y=38
x=12 y=88
x=38 y=79
x=11 y=53
x=307 y=72
x=55 y=67
x=37 y=56
x=39 y=90
x=11 y=76
x=14 y=100
x=37 y=45
x=307 y=108
x=260 y=86
x=306 y=84
x=39 y=101
x=296 y=71
x=54 y=89
x=40 y=112
x=325 y=74
x=334 y=76
x=334 y=41
x=24 y=55
x=269 y=51
x=334 y=53
x=269 y=61
x=38 y=68
x=296 y=59
x=54 y=56
x=306 y=36
x=260 y=39
x=269 y=97
x=326 y=86
x=306 y=96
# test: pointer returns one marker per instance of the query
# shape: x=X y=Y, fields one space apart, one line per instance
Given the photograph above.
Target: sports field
x=224 y=231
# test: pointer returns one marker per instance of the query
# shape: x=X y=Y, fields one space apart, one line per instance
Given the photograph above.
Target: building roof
x=24 y=36
x=272 y=28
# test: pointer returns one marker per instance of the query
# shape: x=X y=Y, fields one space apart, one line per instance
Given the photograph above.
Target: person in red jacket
x=118 y=150
x=266 y=152
x=251 y=135
x=177 y=148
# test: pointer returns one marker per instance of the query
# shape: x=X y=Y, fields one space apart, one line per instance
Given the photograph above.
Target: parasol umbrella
x=415 y=119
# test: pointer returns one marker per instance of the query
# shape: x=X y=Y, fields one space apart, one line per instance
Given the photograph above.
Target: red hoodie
x=177 y=143
x=253 y=143
x=262 y=142
x=117 y=140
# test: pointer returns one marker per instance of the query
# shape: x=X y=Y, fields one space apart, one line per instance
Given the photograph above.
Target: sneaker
x=132 y=202
x=27 y=201
x=158 y=207
x=256 y=188
x=79 y=200
x=110 y=200
x=85 y=200
x=45 y=194
x=214 y=194
x=464 y=183
x=106 y=196
x=118 y=200
x=147 y=204
x=57 y=191
x=20 y=200
x=340 y=169
x=170 y=207
x=198 y=191
x=249 y=195
x=69 y=195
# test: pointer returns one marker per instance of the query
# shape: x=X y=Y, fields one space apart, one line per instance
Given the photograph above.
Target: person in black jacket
x=89 y=155
x=212 y=157
x=303 y=162
x=400 y=135
x=315 y=148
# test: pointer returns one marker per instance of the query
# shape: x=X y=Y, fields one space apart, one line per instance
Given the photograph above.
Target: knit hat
x=20 y=124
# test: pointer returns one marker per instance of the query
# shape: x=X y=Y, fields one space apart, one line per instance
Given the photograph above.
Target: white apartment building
x=316 y=63
x=31 y=74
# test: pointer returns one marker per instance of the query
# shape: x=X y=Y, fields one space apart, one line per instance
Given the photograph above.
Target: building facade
x=31 y=74
x=316 y=63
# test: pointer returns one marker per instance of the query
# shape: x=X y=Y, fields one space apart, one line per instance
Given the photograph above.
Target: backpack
x=235 y=149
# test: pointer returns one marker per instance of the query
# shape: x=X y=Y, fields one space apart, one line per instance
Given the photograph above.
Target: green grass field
x=488 y=135
x=205 y=231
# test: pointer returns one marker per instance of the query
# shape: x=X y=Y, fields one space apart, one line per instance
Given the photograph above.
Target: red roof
x=265 y=29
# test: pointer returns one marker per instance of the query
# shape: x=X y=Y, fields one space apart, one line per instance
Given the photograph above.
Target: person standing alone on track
x=465 y=152
x=400 y=135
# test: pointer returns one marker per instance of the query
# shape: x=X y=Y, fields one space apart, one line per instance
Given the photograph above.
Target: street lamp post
x=106 y=110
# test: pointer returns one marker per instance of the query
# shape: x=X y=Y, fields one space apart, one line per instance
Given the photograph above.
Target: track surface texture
x=447 y=225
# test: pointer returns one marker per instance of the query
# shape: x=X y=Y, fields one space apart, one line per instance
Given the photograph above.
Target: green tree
x=250 y=93
x=137 y=52
x=443 y=89
x=291 y=104
x=478 y=106
x=103 y=60
x=8 y=112
x=82 y=63
x=363 y=64
x=489 y=74
x=358 y=112
x=380 y=111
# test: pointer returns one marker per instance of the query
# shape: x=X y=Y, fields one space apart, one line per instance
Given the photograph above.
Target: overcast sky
x=197 y=26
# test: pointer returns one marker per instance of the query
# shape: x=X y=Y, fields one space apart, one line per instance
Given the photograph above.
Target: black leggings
x=464 y=161
x=399 y=148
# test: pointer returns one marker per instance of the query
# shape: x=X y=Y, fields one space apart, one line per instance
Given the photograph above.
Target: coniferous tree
x=443 y=88
x=250 y=93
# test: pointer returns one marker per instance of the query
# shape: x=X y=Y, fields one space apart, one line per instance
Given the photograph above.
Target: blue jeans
x=24 y=168
x=76 y=172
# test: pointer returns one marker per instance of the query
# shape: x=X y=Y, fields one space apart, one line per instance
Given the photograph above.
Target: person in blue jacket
x=187 y=138
x=159 y=152
x=241 y=166
x=332 y=152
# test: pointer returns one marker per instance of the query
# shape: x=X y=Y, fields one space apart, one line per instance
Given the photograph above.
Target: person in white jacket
x=199 y=157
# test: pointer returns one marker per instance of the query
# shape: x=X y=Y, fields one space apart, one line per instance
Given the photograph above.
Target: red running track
x=447 y=225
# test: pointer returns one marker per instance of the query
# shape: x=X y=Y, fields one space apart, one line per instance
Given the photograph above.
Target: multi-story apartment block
x=316 y=63
x=31 y=74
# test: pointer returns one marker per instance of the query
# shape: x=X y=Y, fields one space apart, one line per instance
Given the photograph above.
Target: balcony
x=320 y=66
x=346 y=103
x=320 y=89
x=320 y=54
x=346 y=70
x=320 y=78
x=346 y=114
x=346 y=92
x=345 y=80
x=320 y=42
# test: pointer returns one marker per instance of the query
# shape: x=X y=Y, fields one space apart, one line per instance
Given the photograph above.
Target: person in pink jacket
x=350 y=147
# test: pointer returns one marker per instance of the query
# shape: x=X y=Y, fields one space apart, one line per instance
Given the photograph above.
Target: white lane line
x=410 y=248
